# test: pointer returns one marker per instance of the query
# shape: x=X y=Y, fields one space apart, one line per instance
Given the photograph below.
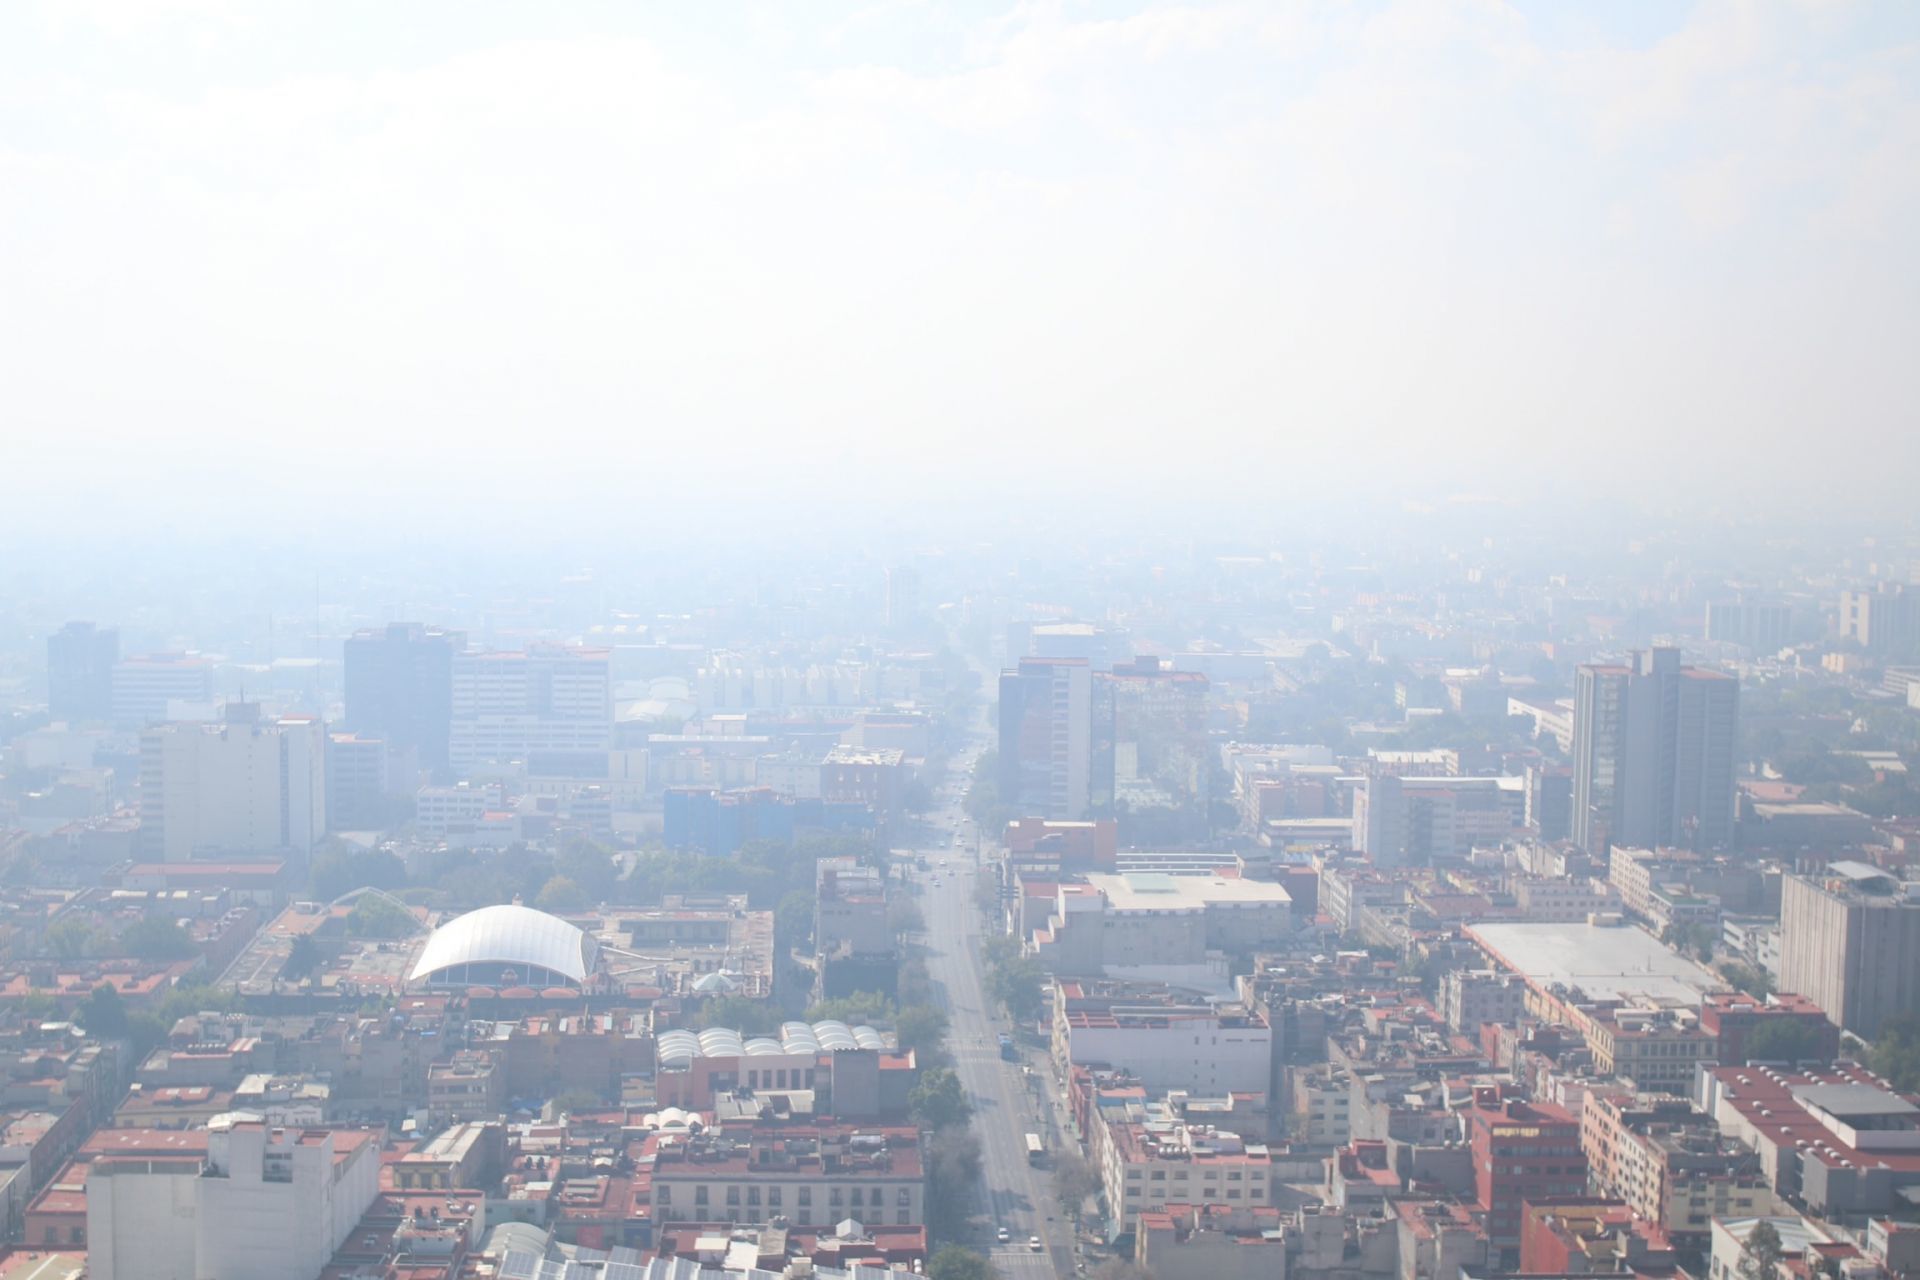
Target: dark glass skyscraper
x=80 y=660
x=1653 y=754
x=400 y=689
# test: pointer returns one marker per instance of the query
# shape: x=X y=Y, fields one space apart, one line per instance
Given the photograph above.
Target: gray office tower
x=400 y=689
x=1046 y=744
x=80 y=659
x=1653 y=754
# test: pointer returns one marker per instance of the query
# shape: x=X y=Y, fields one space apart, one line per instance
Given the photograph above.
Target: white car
x=1005 y=1235
x=1033 y=1243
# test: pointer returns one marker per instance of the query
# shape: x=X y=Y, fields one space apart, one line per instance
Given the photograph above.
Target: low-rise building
x=1734 y=1019
x=1147 y=1165
x=1169 y=1042
x=1472 y=997
x=1669 y=1163
x=1837 y=1140
x=1211 y=1242
x=1150 y=918
x=468 y=1086
x=810 y=1174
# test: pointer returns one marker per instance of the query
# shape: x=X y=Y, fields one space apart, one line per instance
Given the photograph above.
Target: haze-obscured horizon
x=446 y=270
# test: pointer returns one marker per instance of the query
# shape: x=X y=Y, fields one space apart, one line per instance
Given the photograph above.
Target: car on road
x=1033 y=1243
x=1004 y=1236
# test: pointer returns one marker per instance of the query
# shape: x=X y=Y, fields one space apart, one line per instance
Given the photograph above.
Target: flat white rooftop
x=1607 y=963
x=1156 y=891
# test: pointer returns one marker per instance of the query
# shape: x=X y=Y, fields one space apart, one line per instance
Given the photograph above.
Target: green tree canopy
x=1783 y=1040
x=104 y=1014
x=921 y=1028
x=793 y=920
x=861 y=1007
x=740 y=1013
x=156 y=939
x=1896 y=1054
x=303 y=957
x=955 y=1262
x=939 y=1101
x=560 y=894
x=341 y=870
x=376 y=917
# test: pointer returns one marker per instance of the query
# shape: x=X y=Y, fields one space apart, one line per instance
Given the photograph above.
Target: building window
x=903 y=1219
x=773 y=1196
x=733 y=1195
x=834 y=1198
x=666 y=1194
x=700 y=1194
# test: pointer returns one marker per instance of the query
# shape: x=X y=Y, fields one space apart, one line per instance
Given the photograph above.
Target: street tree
x=955 y=1262
x=938 y=1101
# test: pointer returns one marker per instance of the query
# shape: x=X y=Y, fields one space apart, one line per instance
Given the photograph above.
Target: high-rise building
x=1549 y=801
x=549 y=707
x=400 y=689
x=1653 y=754
x=362 y=779
x=80 y=661
x=1753 y=624
x=161 y=686
x=1850 y=942
x=1046 y=737
x=240 y=787
x=1883 y=621
x=1151 y=766
x=903 y=596
x=1400 y=822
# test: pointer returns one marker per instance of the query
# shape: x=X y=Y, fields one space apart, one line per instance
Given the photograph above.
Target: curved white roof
x=509 y=935
x=680 y=1046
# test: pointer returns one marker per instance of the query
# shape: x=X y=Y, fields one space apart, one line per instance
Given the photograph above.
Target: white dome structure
x=507 y=946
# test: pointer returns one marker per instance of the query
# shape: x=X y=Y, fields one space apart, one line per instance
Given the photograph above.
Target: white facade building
x=267 y=1204
x=239 y=787
x=161 y=686
x=548 y=701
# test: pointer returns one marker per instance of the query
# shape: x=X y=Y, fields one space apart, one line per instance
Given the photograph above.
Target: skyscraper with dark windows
x=80 y=660
x=1653 y=754
x=400 y=689
x=1046 y=724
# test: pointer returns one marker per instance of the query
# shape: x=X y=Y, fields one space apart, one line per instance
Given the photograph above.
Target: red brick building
x=1521 y=1151
x=1733 y=1017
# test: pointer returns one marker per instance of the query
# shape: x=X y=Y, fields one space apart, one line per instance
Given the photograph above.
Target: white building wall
x=141 y=1226
x=1196 y=1055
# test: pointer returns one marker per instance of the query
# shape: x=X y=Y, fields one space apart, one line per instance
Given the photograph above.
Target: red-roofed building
x=1521 y=1150
x=1733 y=1017
x=1583 y=1235
x=1211 y=1242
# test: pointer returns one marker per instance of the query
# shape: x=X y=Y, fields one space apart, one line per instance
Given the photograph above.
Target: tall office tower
x=1653 y=754
x=1046 y=725
x=80 y=660
x=1850 y=942
x=1884 y=621
x=903 y=596
x=1151 y=766
x=160 y=686
x=400 y=689
x=1761 y=627
x=1549 y=810
x=549 y=707
x=241 y=787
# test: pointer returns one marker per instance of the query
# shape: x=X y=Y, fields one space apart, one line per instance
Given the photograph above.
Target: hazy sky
x=273 y=258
